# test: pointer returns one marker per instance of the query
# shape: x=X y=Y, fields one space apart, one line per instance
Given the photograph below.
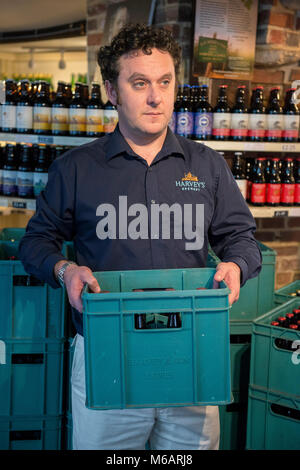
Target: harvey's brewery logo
x=190 y=183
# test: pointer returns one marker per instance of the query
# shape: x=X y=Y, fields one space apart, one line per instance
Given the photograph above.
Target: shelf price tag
x=281 y=213
x=45 y=139
x=288 y=147
x=19 y=204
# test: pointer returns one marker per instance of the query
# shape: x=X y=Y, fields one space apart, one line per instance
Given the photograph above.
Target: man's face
x=146 y=93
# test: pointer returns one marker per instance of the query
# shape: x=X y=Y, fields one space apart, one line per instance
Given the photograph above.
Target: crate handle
x=32 y=358
x=285 y=344
x=25 y=435
x=27 y=281
x=285 y=411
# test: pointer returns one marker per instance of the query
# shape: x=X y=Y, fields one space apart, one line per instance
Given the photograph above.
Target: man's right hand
x=74 y=278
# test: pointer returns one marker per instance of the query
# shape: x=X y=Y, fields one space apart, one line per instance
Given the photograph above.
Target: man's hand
x=231 y=274
x=74 y=278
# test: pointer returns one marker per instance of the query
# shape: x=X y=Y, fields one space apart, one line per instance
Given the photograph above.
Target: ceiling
x=20 y=15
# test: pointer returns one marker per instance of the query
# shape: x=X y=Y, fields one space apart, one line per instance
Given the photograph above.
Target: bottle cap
x=293 y=327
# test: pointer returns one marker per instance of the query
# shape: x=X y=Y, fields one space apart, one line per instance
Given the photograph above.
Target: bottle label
x=41 y=118
x=77 y=119
x=94 y=120
x=258 y=193
x=256 y=125
x=39 y=182
x=8 y=116
x=111 y=118
x=274 y=125
x=24 y=117
x=239 y=124
x=9 y=181
x=60 y=119
x=296 y=195
x=172 y=123
x=25 y=183
x=287 y=193
x=242 y=184
x=273 y=193
x=290 y=126
x=221 y=124
x=185 y=123
x=203 y=123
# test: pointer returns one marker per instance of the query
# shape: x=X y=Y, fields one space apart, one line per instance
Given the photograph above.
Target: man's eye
x=165 y=82
x=139 y=84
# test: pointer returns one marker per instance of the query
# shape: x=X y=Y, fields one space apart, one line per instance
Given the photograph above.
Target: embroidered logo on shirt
x=190 y=183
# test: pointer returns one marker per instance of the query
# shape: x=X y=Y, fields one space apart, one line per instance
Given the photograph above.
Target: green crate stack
x=274 y=389
x=256 y=297
x=32 y=347
x=286 y=293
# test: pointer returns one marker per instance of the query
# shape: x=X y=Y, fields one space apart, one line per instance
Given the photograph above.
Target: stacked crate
x=256 y=297
x=274 y=389
x=32 y=343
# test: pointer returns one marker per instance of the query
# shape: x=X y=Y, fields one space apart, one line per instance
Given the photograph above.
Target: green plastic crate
x=273 y=421
x=31 y=433
x=233 y=424
x=240 y=347
x=12 y=234
x=274 y=353
x=31 y=377
x=31 y=309
x=157 y=367
x=256 y=296
x=283 y=295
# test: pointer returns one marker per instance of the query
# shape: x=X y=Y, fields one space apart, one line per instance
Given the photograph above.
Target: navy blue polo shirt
x=122 y=213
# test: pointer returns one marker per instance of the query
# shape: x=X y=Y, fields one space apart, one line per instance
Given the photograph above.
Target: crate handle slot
x=31 y=358
x=240 y=339
x=285 y=411
x=25 y=435
x=27 y=281
x=285 y=344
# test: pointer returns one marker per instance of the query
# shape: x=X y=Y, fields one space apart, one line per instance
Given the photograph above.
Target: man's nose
x=154 y=96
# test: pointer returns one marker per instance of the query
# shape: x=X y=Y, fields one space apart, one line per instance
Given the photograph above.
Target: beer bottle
x=8 y=108
x=1 y=168
x=24 y=113
x=68 y=93
x=239 y=116
x=10 y=172
x=273 y=184
x=290 y=129
x=297 y=182
x=249 y=166
x=85 y=94
x=238 y=173
x=94 y=113
x=203 y=116
x=221 y=116
x=60 y=112
x=287 y=183
x=281 y=320
x=185 y=115
x=258 y=186
x=42 y=109
x=25 y=174
x=257 y=117
x=289 y=319
x=40 y=172
x=110 y=117
x=275 y=323
x=274 y=117
x=77 y=113
x=173 y=122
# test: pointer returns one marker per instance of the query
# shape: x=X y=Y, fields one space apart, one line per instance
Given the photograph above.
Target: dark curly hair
x=136 y=37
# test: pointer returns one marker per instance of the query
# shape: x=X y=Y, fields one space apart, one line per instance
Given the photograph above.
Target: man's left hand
x=231 y=274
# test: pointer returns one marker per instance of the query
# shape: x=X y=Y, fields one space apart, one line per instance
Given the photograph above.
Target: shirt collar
x=116 y=145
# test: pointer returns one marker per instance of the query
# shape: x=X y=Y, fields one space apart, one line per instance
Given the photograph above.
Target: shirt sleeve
x=53 y=222
x=231 y=232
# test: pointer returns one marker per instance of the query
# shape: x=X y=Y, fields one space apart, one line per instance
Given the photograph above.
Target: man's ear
x=111 y=92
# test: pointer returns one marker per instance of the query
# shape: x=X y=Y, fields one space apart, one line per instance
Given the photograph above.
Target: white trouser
x=181 y=428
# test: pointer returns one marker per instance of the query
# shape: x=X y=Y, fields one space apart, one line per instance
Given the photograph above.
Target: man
x=92 y=196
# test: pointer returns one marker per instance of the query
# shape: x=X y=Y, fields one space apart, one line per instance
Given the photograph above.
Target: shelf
x=226 y=146
x=44 y=139
x=257 y=212
x=18 y=203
